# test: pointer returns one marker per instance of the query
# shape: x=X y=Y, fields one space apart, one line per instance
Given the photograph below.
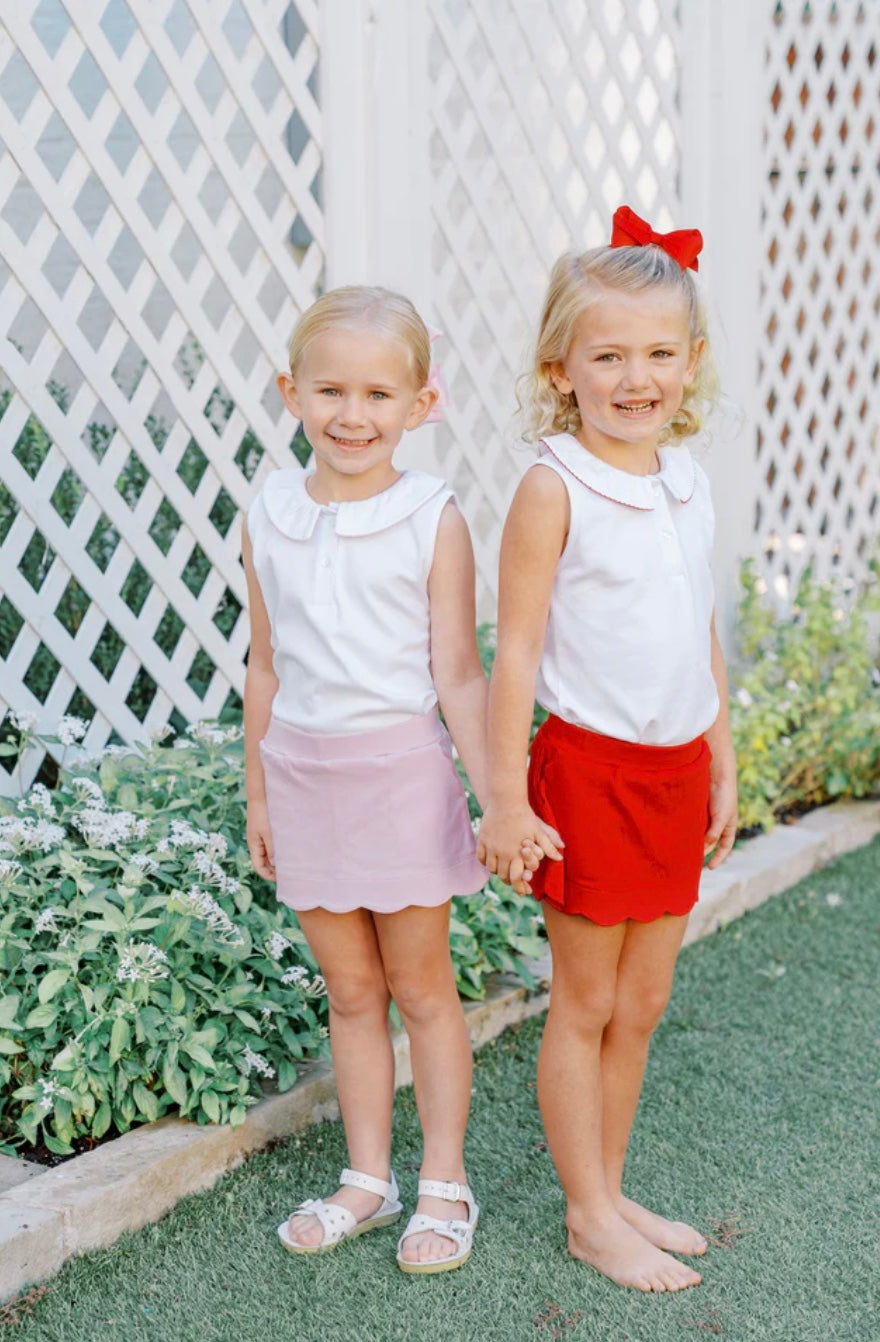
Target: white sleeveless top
x=346 y=589
x=628 y=651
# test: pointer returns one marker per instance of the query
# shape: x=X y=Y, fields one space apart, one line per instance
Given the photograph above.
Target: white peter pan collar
x=294 y=512
x=677 y=473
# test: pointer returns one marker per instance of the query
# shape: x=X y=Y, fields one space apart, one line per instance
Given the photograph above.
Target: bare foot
x=305 y=1229
x=616 y=1250
x=676 y=1236
x=426 y=1246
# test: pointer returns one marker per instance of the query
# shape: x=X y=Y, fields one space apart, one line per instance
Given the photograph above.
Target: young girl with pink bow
x=606 y=613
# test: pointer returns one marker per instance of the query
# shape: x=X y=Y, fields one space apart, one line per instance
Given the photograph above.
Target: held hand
x=532 y=852
x=723 y=808
x=513 y=841
x=259 y=840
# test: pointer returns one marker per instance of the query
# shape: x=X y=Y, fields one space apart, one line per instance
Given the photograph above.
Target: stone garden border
x=48 y=1216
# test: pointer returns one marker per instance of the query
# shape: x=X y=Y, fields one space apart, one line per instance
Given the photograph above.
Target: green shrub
x=145 y=968
x=805 y=714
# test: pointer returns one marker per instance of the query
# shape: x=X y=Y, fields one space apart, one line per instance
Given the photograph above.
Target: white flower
x=203 y=731
x=25 y=722
x=161 y=733
x=276 y=945
x=743 y=697
x=792 y=686
x=323 y=1032
x=18 y=832
x=145 y=862
x=108 y=829
x=834 y=900
x=254 y=1062
x=211 y=871
x=40 y=798
x=785 y=741
x=9 y=870
x=46 y=921
x=88 y=790
x=71 y=729
x=296 y=977
x=265 y=1012
x=217 y=845
x=182 y=744
x=142 y=963
x=184 y=836
x=49 y=1089
x=199 y=904
x=115 y=751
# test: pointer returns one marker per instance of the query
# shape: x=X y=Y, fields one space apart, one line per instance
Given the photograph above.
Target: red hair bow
x=684 y=245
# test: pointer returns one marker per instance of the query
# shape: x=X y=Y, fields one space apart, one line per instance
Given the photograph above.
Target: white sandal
x=339 y=1223
x=460 y=1232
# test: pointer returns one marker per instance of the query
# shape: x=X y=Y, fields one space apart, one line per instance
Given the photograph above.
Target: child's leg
x=418 y=966
x=644 y=981
x=585 y=968
x=347 y=952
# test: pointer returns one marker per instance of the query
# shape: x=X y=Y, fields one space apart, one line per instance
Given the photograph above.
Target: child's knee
x=640 y=1013
x=586 y=1012
x=354 y=995
x=419 y=995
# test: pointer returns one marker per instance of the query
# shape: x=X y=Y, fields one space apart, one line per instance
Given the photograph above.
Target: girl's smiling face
x=628 y=366
x=356 y=392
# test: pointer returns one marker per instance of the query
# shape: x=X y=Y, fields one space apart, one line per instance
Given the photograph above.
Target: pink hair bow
x=437 y=382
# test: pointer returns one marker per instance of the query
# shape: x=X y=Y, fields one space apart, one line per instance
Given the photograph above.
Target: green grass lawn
x=759 y=1121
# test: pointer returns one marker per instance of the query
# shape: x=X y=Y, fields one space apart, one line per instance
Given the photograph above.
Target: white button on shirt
x=627 y=651
x=346 y=591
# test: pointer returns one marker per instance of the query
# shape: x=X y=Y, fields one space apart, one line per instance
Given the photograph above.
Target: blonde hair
x=365 y=307
x=578 y=281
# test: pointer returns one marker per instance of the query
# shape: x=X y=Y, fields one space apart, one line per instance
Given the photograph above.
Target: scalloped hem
x=589 y=905
x=426 y=890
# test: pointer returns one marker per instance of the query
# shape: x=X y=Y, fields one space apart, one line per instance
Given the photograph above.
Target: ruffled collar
x=677 y=473
x=294 y=512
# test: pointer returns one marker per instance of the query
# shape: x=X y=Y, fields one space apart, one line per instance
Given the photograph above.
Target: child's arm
x=260 y=684
x=456 y=669
x=723 y=803
x=534 y=538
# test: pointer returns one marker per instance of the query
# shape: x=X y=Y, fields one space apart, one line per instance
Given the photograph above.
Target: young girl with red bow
x=361 y=590
x=606 y=613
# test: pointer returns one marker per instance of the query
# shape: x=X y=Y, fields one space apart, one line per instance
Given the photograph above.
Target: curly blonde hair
x=576 y=282
x=365 y=307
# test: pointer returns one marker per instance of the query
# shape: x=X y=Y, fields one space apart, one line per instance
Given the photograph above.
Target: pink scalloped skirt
x=378 y=820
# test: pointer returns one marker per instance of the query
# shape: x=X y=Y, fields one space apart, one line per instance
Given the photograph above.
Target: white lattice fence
x=160 y=227
x=819 y=421
x=543 y=119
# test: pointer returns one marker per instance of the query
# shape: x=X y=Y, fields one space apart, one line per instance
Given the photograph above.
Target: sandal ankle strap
x=370 y=1184
x=450 y=1191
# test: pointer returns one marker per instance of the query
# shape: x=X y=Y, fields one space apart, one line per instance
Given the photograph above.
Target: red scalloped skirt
x=633 y=818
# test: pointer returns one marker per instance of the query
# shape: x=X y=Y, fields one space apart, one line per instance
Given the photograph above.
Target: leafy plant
x=805 y=714
x=145 y=968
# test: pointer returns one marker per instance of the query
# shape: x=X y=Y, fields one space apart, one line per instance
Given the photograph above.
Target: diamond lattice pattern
x=539 y=129
x=160 y=228
x=818 y=430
